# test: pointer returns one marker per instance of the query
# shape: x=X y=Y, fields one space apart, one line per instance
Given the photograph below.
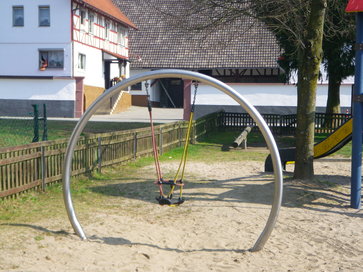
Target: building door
x=107 y=74
x=171 y=93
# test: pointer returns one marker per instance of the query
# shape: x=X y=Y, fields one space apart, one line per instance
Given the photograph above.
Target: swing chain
x=147 y=84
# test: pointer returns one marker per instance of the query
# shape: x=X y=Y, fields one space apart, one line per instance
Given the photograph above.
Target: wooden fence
x=282 y=124
x=38 y=164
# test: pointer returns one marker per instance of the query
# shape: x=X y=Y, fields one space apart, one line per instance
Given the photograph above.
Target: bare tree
x=298 y=27
x=339 y=38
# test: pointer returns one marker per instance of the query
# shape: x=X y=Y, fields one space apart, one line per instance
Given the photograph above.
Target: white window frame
x=83 y=15
x=100 y=20
x=91 y=19
x=107 y=28
x=81 y=61
x=15 y=18
x=44 y=22
x=51 y=58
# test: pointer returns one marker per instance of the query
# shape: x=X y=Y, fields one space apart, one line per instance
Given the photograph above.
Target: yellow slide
x=334 y=141
x=329 y=145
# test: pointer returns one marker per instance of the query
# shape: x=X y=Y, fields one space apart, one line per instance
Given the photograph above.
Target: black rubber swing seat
x=171 y=182
x=167 y=201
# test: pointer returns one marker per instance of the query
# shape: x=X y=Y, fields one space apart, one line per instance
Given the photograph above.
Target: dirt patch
x=226 y=209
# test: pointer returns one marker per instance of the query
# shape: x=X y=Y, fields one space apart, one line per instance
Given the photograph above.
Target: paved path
x=141 y=114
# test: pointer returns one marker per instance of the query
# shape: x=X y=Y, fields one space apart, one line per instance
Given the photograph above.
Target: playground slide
x=340 y=137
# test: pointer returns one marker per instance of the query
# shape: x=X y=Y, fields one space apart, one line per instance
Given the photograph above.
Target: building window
x=18 y=16
x=136 y=87
x=99 y=20
x=82 y=61
x=90 y=23
x=53 y=58
x=107 y=27
x=121 y=34
x=83 y=16
x=44 y=16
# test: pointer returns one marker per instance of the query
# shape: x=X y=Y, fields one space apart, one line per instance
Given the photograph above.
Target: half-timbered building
x=243 y=53
x=61 y=53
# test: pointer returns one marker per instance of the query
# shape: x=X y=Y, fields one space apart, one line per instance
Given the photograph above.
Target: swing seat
x=171 y=182
x=167 y=201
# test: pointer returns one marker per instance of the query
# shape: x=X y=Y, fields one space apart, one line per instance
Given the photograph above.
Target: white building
x=61 y=53
x=243 y=54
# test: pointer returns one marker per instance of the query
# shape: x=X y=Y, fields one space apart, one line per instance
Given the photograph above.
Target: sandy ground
x=226 y=209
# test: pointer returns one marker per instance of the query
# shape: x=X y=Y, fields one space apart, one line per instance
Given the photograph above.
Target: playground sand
x=227 y=207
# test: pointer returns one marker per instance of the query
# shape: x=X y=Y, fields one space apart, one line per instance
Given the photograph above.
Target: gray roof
x=159 y=43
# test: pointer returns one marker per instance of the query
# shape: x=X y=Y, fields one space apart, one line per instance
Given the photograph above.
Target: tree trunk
x=333 y=103
x=308 y=71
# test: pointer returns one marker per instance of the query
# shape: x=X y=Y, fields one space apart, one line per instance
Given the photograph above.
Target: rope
x=183 y=160
x=155 y=148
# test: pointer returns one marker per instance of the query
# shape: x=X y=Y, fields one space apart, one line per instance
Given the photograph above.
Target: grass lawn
x=18 y=132
x=32 y=206
x=86 y=190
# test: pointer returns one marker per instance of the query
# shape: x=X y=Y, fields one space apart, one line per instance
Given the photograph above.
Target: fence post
x=135 y=146
x=43 y=167
x=194 y=132
x=161 y=141
x=99 y=154
x=180 y=134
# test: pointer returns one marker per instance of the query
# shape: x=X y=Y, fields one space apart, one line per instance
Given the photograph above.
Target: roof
x=158 y=43
x=108 y=8
x=354 y=6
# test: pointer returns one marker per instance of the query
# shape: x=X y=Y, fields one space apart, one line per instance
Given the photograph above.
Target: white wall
x=261 y=94
x=94 y=65
x=273 y=94
x=154 y=91
x=57 y=89
x=58 y=32
x=19 y=45
x=23 y=60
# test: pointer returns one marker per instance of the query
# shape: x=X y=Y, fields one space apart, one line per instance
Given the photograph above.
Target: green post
x=45 y=127
x=36 y=123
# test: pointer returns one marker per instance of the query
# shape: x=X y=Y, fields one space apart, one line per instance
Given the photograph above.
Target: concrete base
x=14 y=107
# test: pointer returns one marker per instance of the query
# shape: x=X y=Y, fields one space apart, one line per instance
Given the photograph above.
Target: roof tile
x=159 y=43
x=108 y=7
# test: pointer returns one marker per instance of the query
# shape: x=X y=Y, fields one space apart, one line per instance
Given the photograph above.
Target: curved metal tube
x=276 y=204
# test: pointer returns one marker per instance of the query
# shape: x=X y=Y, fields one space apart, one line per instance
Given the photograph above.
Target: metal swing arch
x=174 y=73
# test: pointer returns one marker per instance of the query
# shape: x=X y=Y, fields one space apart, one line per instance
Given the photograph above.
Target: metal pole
x=123 y=85
x=356 y=180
